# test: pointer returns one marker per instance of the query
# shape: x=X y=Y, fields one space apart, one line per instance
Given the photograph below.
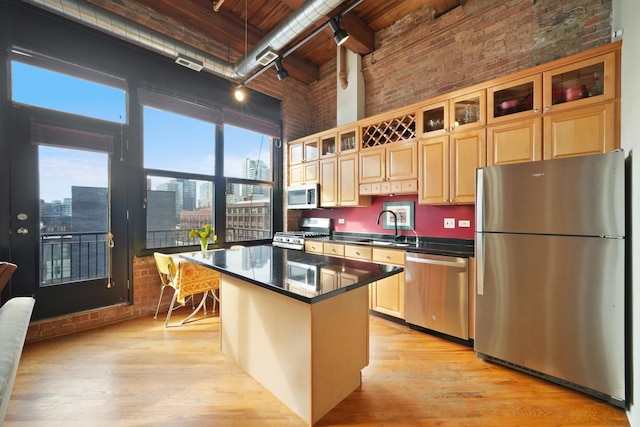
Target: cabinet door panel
x=467 y=154
x=402 y=162
x=296 y=174
x=329 y=182
x=311 y=172
x=514 y=142
x=389 y=296
x=433 y=184
x=372 y=165
x=589 y=130
x=348 y=188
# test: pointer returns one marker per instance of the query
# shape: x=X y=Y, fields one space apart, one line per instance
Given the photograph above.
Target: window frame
x=180 y=104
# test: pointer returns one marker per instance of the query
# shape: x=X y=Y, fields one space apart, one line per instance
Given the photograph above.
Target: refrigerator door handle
x=480 y=265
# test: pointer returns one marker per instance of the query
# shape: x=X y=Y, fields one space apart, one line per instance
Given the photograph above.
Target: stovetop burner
x=310 y=227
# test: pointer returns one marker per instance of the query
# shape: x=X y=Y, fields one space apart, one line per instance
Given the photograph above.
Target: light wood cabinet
x=568 y=107
x=514 y=142
x=581 y=82
x=581 y=131
x=303 y=161
x=338 y=141
x=359 y=252
x=333 y=249
x=332 y=278
x=313 y=246
x=391 y=169
x=339 y=182
x=578 y=115
x=387 y=295
x=515 y=99
x=448 y=166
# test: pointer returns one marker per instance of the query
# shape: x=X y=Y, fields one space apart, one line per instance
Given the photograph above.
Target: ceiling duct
x=296 y=24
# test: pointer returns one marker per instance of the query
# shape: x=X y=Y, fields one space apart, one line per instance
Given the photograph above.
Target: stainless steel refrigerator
x=550 y=252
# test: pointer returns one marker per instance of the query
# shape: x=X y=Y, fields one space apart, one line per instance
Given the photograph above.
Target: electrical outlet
x=340 y=220
x=464 y=223
x=449 y=223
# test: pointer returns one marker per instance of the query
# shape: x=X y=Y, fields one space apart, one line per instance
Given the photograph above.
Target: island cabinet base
x=308 y=355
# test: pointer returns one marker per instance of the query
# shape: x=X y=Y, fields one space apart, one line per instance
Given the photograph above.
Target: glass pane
x=247 y=154
x=348 y=141
x=48 y=89
x=467 y=111
x=178 y=143
x=74 y=214
x=433 y=119
x=513 y=99
x=175 y=207
x=310 y=150
x=578 y=84
x=328 y=145
x=248 y=212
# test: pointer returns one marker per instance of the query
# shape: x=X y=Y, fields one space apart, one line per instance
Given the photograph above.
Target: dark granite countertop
x=278 y=269
x=430 y=245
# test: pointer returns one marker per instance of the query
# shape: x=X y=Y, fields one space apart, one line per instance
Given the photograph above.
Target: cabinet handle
x=357 y=253
x=546 y=109
x=537 y=110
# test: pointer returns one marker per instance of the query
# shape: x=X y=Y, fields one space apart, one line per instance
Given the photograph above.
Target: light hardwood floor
x=137 y=373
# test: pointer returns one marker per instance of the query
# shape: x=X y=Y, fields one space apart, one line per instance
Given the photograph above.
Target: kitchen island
x=297 y=322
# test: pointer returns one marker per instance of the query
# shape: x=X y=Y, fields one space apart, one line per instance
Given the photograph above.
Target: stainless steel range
x=309 y=227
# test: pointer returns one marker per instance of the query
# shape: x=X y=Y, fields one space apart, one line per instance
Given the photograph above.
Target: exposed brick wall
x=146 y=290
x=421 y=56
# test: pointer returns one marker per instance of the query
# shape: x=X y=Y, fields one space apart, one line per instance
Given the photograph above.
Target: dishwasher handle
x=436 y=260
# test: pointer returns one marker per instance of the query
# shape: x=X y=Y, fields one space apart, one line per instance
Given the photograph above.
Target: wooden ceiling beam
x=361 y=36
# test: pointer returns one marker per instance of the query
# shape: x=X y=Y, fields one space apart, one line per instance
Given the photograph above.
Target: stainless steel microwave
x=303 y=196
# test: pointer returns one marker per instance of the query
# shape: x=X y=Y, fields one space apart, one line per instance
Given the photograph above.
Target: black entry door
x=68 y=212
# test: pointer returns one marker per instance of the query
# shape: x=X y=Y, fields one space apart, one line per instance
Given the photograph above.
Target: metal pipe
x=100 y=19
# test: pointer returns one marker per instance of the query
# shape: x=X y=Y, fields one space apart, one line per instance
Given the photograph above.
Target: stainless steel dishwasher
x=437 y=293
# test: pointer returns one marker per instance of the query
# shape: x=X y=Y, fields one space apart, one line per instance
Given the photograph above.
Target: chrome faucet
x=395 y=222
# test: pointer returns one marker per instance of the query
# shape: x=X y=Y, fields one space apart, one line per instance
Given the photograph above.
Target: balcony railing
x=74 y=256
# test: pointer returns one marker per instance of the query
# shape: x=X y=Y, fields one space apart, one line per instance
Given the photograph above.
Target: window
x=61 y=92
x=183 y=162
x=179 y=155
x=247 y=165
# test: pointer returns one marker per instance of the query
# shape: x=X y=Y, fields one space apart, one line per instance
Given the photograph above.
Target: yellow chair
x=187 y=279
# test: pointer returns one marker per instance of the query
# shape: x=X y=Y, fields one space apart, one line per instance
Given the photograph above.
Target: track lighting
x=339 y=34
x=240 y=94
x=280 y=71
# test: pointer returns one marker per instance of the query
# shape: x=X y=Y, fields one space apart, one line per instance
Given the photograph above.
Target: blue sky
x=179 y=143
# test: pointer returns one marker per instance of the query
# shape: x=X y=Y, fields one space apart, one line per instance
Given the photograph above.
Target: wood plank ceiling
x=222 y=23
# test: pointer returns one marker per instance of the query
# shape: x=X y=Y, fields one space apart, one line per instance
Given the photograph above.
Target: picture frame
x=404 y=212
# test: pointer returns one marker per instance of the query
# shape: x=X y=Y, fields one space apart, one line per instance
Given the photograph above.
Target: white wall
x=626 y=15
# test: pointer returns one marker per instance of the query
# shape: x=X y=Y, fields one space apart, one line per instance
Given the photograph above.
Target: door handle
x=23 y=230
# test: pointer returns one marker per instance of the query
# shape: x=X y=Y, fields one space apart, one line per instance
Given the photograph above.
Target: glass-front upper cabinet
x=303 y=150
x=467 y=111
x=580 y=83
x=328 y=144
x=341 y=141
x=515 y=99
x=348 y=140
x=434 y=119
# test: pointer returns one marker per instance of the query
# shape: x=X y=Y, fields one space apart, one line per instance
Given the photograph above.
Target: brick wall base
x=146 y=290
